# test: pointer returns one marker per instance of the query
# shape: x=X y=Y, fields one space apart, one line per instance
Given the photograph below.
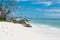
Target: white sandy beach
x=11 y=31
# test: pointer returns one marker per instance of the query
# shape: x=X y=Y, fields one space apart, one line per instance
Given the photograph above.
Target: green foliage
x=1 y=20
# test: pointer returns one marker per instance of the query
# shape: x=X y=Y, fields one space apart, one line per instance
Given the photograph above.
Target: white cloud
x=48 y=10
x=52 y=14
x=24 y=0
x=21 y=0
x=18 y=0
x=38 y=9
x=47 y=3
x=43 y=2
x=53 y=10
x=56 y=1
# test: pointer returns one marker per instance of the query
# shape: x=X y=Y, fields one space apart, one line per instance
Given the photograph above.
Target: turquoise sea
x=55 y=23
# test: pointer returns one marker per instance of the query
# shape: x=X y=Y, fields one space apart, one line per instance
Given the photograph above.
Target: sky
x=39 y=8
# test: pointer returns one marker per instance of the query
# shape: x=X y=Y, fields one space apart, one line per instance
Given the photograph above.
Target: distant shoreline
x=45 y=18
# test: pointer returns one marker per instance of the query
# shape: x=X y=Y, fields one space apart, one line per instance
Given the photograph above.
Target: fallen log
x=23 y=22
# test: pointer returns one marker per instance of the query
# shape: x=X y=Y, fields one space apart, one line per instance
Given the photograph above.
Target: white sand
x=11 y=31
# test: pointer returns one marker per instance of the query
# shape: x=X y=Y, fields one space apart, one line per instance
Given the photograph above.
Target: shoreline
x=11 y=31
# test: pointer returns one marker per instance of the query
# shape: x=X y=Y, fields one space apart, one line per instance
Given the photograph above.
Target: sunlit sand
x=11 y=31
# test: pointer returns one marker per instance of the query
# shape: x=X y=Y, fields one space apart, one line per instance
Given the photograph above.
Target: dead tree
x=10 y=5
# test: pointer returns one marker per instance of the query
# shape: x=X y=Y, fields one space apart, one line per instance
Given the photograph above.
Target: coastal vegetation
x=7 y=7
x=1 y=20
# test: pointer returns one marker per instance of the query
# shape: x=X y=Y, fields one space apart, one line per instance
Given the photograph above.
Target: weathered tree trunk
x=0 y=12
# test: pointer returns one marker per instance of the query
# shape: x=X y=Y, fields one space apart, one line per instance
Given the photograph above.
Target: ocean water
x=46 y=26
x=55 y=23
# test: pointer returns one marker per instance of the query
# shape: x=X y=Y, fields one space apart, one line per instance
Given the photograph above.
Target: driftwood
x=23 y=22
x=27 y=25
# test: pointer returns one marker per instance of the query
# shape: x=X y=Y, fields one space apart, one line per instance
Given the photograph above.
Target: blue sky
x=42 y=8
x=39 y=8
